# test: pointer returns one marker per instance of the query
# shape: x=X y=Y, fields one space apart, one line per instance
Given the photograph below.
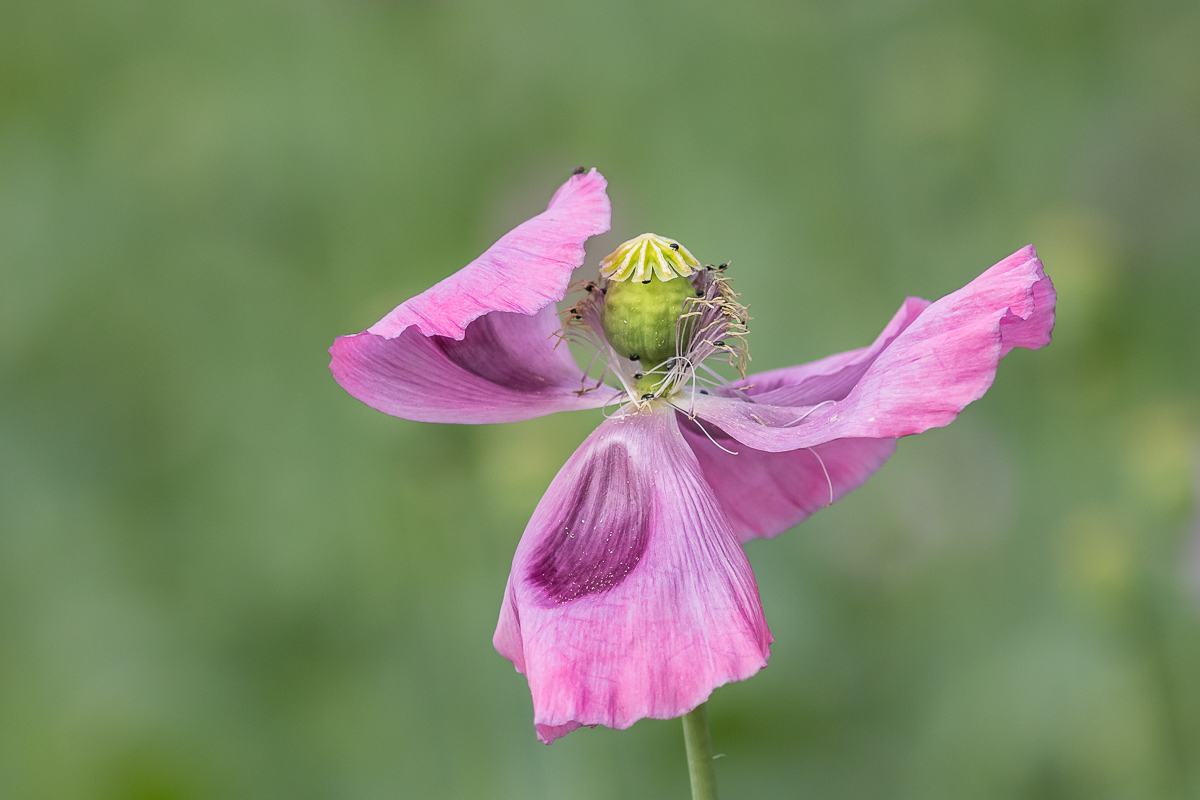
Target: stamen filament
x=825 y=470
x=696 y=420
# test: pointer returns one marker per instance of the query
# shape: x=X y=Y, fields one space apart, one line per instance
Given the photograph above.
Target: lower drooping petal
x=943 y=360
x=764 y=494
x=630 y=596
x=479 y=345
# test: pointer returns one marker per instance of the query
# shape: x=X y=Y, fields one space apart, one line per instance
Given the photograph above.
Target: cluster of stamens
x=713 y=324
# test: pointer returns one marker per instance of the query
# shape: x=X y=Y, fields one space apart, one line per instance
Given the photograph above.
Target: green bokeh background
x=222 y=577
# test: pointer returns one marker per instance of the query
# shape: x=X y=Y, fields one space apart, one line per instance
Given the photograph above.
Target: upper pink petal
x=764 y=494
x=479 y=346
x=526 y=270
x=629 y=596
x=943 y=360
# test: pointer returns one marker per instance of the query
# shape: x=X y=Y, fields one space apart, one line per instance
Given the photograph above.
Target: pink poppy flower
x=630 y=595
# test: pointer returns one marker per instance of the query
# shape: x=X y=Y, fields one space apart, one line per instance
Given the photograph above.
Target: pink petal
x=502 y=370
x=526 y=270
x=943 y=360
x=832 y=377
x=629 y=595
x=479 y=345
x=764 y=494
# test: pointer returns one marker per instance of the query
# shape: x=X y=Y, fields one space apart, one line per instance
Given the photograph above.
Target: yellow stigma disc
x=647 y=255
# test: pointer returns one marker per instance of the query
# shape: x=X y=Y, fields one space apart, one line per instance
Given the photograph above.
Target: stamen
x=805 y=415
x=711 y=323
x=718 y=378
x=699 y=425
x=823 y=469
x=581 y=327
x=620 y=406
x=599 y=381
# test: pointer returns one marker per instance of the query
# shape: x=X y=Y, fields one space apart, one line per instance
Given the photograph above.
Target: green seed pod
x=648 y=285
x=639 y=318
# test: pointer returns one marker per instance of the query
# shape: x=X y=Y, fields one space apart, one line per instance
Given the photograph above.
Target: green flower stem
x=700 y=754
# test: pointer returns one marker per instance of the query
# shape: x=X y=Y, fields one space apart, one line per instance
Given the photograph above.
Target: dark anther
x=590 y=287
x=704 y=391
x=637 y=376
x=646 y=281
x=633 y=357
x=709 y=267
x=579 y=170
x=723 y=266
x=699 y=293
x=648 y=396
x=674 y=245
x=719 y=342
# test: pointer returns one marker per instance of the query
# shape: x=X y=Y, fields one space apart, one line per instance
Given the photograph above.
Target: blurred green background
x=222 y=577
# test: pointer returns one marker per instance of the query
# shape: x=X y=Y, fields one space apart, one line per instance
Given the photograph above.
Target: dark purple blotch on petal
x=484 y=352
x=602 y=531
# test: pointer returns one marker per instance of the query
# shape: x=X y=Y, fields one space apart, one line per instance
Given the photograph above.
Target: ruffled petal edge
x=942 y=361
